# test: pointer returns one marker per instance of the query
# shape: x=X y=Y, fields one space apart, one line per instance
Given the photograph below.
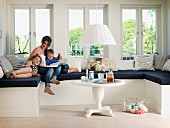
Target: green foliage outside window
x=74 y=39
x=96 y=49
x=129 y=38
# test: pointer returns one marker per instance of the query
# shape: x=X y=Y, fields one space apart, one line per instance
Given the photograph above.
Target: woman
x=45 y=43
x=42 y=50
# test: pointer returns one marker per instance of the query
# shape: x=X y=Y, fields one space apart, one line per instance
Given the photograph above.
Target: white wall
x=61 y=21
x=168 y=22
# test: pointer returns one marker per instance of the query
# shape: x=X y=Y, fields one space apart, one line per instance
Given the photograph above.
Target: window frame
x=139 y=18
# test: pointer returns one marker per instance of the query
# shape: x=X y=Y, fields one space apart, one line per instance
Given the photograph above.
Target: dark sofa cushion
x=76 y=75
x=129 y=74
x=71 y=76
x=121 y=74
x=22 y=82
x=160 y=77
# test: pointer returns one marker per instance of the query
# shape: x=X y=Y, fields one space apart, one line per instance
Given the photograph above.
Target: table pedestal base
x=104 y=110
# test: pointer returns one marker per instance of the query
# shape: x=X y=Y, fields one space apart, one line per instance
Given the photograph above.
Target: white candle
x=86 y=73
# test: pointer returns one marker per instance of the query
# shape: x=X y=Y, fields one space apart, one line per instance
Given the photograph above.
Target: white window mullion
x=52 y=24
x=11 y=44
x=86 y=49
x=158 y=31
x=105 y=21
x=32 y=29
x=139 y=32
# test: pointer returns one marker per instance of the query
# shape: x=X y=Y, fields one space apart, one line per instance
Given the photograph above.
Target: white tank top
x=43 y=62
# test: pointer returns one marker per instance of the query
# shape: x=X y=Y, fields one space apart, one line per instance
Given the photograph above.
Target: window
x=79 y=19
x=76 y=24
x=29 y=28
x=139 y=31
x=129 y=32
x=149 y=31
x=21 y=31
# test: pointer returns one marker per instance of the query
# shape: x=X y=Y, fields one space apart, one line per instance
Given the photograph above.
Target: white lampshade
x=97 y=34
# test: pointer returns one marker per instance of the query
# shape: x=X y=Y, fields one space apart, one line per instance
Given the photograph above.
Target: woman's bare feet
x=48 y=90
x=54 y=81
x=12 y=75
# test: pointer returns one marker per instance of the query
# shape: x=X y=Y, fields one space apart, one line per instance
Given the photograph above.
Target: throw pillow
x=166 y=66
x=14 y=60
x=144 y=62
x=6 y=65
x=110 y=63
x=1 y=73
x=160 y=61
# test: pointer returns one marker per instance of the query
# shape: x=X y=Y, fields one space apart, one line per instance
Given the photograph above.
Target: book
x=52 y=65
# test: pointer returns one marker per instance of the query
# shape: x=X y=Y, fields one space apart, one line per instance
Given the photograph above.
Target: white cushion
x=1 y=72
x=160 y=60
x=110 y=63
x=15 y=60
x=166 y=66
x=144 y=62
x=6 y=65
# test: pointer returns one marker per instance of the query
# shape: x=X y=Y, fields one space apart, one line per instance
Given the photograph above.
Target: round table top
x=96 y=83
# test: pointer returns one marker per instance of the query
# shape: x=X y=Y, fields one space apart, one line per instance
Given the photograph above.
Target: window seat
x=160 y=77
x=23 y=97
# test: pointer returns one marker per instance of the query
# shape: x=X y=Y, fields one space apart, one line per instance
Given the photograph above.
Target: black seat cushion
x=121 y=74
x=160 y=77
x=20 y=82
x=75 y=75
x=71 y=76
x=129 y=74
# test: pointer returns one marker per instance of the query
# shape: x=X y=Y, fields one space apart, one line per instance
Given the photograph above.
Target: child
x=53 y=73
x=51 y=59
x=30 y=70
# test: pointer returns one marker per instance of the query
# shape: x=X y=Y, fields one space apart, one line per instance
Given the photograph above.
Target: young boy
x=53 y=73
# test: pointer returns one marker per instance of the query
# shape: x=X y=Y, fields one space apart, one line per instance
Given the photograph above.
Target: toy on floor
x=136 y=108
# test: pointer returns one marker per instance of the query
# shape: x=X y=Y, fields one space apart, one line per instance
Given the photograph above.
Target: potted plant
x=22 y=49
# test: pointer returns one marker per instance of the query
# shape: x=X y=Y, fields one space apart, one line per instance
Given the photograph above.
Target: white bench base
x=19 y=102
x=159 y=95
x=26 y=101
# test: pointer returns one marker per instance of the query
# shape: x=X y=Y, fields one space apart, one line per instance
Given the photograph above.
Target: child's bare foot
x=72 y=70
x=76 y=70
x=12 y=75
x=48 y=90
x=54 y=81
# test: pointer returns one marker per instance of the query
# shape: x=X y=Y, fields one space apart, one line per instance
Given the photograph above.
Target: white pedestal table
x=98 y=89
